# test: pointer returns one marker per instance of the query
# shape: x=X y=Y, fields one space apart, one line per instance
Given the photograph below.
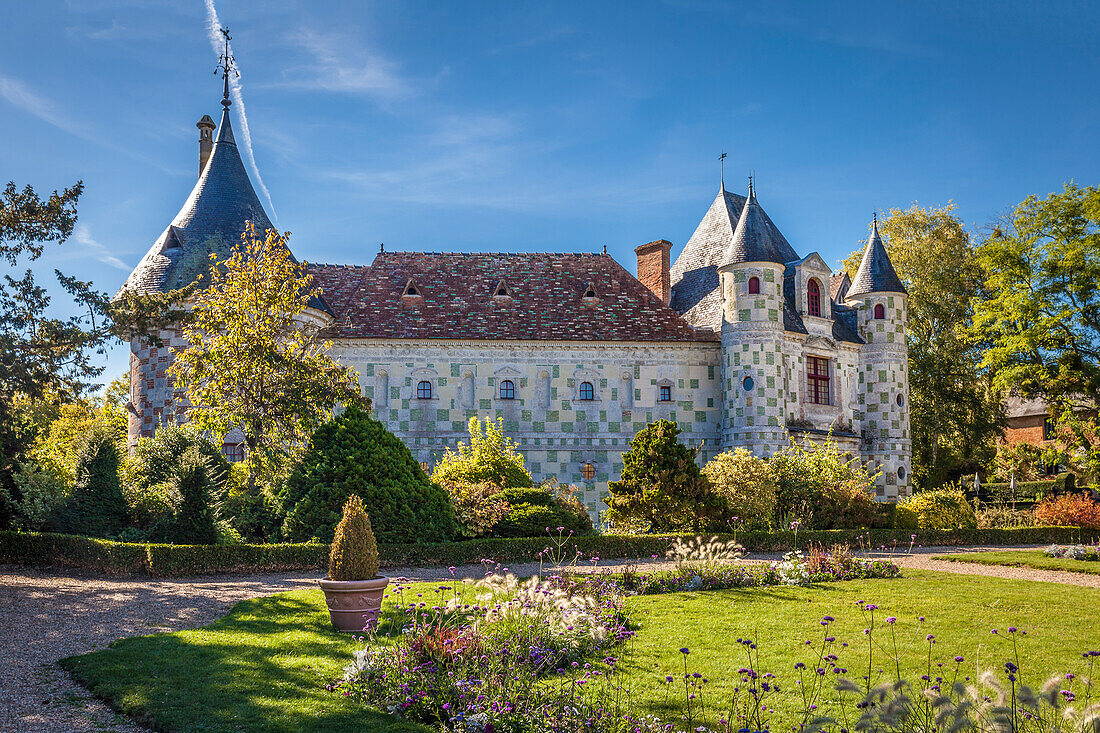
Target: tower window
x=233 y=452
x=754 y=286
x=587 y=392
x=424 y=390
x=813 y=298
x=748 y=383
x=588 y=471
x=880 y=312
x=665 y=393
x=507 y=390
x=817 y=368
x=900 y=400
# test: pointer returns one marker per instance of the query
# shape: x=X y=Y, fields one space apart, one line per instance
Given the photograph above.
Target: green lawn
x=1027 y=559
x=263 y=667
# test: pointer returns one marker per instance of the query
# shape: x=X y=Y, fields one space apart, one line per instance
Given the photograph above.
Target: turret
x=880 y=299
x=206 y=140
x=751 y=277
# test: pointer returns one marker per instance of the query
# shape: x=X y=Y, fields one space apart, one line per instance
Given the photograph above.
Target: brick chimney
x=206 y=140
x=653 y=266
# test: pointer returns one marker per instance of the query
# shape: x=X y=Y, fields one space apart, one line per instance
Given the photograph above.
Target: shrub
x=355 y=454
x=477 y=507
x=945 y=508
x=1003 y=517
x=747 y=485
x=532 y=510
x=1069 y=510
x=96 y=506
x=251 y=510
x=44 y=491
x=196 y=520
x=822 y=488
x=354 y=554
x=489 y=457
x=661 y=486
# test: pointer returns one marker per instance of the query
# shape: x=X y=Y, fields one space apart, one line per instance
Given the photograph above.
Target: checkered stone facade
x=154 y=398
x=557 y=432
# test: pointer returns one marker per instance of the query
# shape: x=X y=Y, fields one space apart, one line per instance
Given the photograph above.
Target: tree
x=255 y=358
x=196 y=519
x=822 y=488
x=661 y=486
x=355 y=454
x=96 y=506
x=955 y=417
x=1039 y=318
x=489 y=457
x=747 y=484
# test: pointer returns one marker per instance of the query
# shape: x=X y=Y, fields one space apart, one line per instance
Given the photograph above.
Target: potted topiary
x=353 y=588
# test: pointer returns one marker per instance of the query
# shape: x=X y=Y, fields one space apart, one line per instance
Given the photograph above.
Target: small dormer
x=812 y=285
x=501 y=290
x=412 y=290
x=590 y=296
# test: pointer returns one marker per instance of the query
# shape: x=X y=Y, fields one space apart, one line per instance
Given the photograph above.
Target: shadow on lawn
x=263 y=667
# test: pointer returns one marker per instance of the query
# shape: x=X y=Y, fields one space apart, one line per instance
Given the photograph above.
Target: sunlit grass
x=1026 y=558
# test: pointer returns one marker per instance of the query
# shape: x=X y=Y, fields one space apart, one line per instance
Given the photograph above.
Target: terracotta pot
x=353 y=603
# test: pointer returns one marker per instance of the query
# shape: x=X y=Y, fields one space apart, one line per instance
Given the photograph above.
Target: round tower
x=880 y=300
x=751 y=281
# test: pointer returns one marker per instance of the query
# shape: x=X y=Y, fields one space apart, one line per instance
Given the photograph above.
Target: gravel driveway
x=89 y=612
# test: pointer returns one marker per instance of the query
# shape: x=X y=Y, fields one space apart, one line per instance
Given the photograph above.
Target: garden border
x=31 y=549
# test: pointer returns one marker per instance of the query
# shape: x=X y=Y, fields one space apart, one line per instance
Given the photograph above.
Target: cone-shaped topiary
x=354 y=553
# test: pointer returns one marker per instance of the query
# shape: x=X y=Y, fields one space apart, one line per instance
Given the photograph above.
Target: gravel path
x=85 y=613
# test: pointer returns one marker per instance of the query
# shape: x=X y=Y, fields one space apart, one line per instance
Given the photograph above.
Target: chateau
x=740 y=341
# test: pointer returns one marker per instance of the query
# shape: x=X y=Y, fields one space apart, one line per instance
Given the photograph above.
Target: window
x=507 y=390
x=587 y=392
x=901 y=473
x=424 y=390
x=818 y=370
x=1048 y=429
x=813 y=298
x=748 y=383
x=233 y=452
x=754 y=286
x=411 y=289
x=502 y=290
x=588 y=471
x=880 y=312
x=665 y=393
x=590 y=291
x=900 y=400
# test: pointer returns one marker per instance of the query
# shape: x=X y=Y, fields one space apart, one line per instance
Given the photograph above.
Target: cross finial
x=722 y=163
x=226 y=65
x=381 y=247
x=874 y=218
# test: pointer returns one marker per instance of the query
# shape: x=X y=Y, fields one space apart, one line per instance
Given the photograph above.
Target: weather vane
x=722 y=162
x=227 y=65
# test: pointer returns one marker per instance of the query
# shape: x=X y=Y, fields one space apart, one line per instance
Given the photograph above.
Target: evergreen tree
x=661 y=486
x=196 y=520
x=96 y=506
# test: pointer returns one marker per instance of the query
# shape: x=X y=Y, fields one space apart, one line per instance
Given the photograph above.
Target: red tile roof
x=457 y=302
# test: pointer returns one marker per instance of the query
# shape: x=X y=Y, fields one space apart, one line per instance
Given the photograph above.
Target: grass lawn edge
x=1033 y=559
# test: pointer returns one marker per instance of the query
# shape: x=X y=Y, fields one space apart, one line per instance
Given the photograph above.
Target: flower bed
x=1074 y=552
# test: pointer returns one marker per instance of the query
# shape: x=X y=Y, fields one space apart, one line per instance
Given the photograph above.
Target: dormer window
x=813 y=298
x=507 y=390
x=587 y=392
x=411 y=290
x=590 y=292
x=754 y=286
x=880 y=312
x=502 y=290
x=423 y=390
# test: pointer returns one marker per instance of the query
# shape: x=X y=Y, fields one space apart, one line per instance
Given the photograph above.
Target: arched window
x=813 y=298
x=754 y=286
x=424 y=390
x=588 y=471
x=880 y=312
x=507 y=390
x=587 y=392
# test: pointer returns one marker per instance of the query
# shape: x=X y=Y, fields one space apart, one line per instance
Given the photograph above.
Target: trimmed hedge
x=1026 y=491
x=122 y=558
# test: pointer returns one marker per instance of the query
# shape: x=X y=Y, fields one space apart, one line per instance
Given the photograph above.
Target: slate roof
x=756 y=239
x=876 y=273
x=211 y=221
x=457 y=302
x=694 y=274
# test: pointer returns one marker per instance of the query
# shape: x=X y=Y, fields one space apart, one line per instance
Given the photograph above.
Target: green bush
x=489 y=457
x=196 y=520
x=355 y=454
x=44 y=491
x=1063 y=483
x=533 y=510
x=661 y=487
x=945 y=508
x=477 y=507
x=822 y=488
x=354 y=554
x=747 y=484
x=96 y=506
x=251 y=510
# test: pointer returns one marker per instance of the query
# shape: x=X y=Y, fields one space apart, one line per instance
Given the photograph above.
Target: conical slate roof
x=876 y=273
x=210 y=222
x=756 y=239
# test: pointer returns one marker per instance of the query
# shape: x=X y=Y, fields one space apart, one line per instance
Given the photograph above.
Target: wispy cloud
x=83 y=236
x=214 y=26
x=339 y=63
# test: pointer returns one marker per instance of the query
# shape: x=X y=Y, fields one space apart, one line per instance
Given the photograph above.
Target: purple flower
x=958 y=659
x=685 y=650
x=870 y=607
x=891 y=619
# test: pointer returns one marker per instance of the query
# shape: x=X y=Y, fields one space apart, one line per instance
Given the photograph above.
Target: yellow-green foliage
x=747 y=483
x=354 y=553
x=489 y=457
x=945 y=508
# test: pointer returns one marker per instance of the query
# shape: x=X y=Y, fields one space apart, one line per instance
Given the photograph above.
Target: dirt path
x=46 y=616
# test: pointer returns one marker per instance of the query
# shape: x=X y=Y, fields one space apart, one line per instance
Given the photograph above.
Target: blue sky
x=504 y=126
